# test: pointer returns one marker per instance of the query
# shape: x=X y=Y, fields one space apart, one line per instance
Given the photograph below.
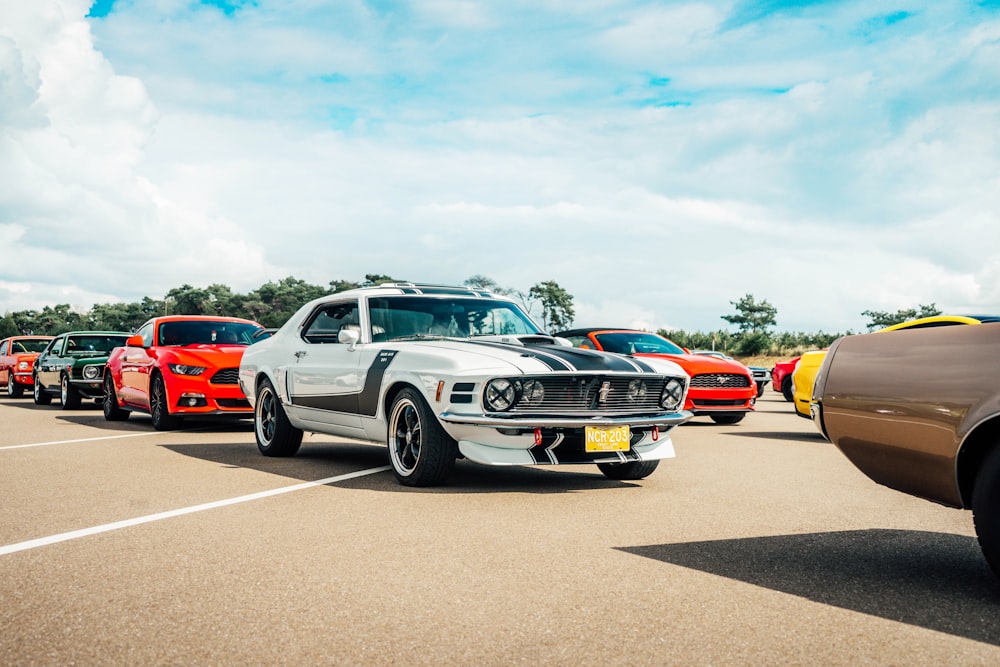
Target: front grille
x=583 y=395
x=226 y=376
x=720 y=380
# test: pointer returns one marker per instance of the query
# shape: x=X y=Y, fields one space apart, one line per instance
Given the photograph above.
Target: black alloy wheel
x=68 y=394
x=275 y=434
x=109 y=401
x=159 y=406
x=40 y=396
x=421 y=452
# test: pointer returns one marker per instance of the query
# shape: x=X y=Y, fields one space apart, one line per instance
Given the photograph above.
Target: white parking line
x=67 y=442
x=85 y=532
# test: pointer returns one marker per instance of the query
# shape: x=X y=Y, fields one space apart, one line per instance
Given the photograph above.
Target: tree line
x=273 y=303
x=270 y=304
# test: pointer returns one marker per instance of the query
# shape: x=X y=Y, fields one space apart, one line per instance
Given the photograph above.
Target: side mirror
x=349 y=336
x=134 y=341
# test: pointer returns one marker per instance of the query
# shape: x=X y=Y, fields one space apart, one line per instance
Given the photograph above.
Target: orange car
x=177 y=366
x=17 y=362
x=722 y=389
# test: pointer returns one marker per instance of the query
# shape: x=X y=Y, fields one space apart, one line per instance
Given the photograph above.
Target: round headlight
x=91 y=372
x=636 y=391
x=673 y=392
x=532 y=393
x=500 y=394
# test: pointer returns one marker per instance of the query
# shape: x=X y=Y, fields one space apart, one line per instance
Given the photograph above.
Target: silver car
x=439 y=373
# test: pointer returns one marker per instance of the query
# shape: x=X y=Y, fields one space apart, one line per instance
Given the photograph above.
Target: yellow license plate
x=607 y=438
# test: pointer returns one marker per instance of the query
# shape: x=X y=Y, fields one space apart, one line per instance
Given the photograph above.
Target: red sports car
x=177 y=366
x=723 y=389
x=17 y=362
x=781 y=377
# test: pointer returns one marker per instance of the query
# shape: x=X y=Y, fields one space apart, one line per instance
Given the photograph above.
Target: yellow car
x=804 y=375
x=803 y=378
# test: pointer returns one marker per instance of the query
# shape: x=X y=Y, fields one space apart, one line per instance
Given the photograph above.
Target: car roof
x=424 y=289
x=201 y=318
x=942 y=320
x=588 y=330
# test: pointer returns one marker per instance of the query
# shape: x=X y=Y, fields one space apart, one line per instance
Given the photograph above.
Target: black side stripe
x=368 y=400
x=363 y=403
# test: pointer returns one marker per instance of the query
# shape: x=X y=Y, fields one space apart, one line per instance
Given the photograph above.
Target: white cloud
x=657 y=162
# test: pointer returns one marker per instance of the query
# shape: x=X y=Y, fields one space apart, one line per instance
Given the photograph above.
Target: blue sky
x=658 y=160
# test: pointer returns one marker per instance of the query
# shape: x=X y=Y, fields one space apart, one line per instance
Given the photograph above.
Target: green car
x=72 y=366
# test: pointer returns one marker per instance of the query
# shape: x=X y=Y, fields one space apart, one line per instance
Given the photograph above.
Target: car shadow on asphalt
x=141 y=422
x=932 y=580
x=316 y=461
x=816 y=437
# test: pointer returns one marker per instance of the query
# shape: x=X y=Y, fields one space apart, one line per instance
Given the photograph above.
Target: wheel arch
x=157 y=372
x=983 y=439
x=392 y=391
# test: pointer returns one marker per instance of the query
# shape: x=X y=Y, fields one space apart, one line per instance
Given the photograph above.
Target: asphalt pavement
x=758 y=544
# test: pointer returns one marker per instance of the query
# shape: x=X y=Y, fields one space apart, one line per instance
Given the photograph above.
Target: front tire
x=630 y=470
x=38 y=394
x=986 y=508
x=14 y=390
x=109 y=401
x=275 y=434
x=68 y=394
x=728 y=419
x=421 y=452
x=159 y=406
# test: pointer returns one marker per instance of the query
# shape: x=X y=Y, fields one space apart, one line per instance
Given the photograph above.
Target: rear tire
x=275 y=434
x=420 y=450
x=159 y=406
x=986 y=508
x=109 y=401
x=68 y=394
x=630 y=470
x=786 y=389
x=38 y=394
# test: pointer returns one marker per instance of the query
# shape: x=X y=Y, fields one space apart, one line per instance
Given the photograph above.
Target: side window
x=147 y=334
x=3 y=348
x=326 y=323
x=54 y=346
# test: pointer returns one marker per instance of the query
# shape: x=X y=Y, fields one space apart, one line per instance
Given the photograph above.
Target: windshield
x=637 y=343
x=28 y=345
x=206 y=333
x=395 y=317
x=91 y=343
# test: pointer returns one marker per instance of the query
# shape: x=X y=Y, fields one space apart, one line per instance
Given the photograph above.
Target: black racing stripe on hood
x=590 y=360
x=554 y=363
x=561 y=358
x=643 y=366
